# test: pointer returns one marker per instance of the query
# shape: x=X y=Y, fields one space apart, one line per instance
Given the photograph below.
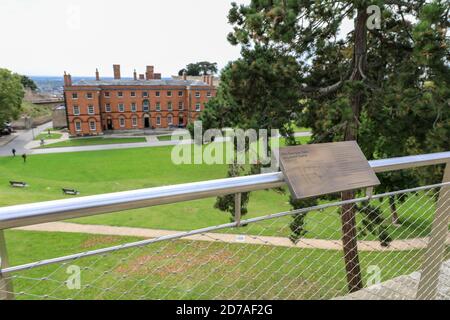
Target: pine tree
x=384 y=85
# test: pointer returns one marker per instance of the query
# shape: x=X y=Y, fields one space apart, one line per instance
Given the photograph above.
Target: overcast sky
x=47 y=37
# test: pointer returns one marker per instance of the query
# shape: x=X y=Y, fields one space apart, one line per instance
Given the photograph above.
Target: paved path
x=4 y=140
x=396 y=245
x=22 y=139
x=24 y=143
x=36 y=143
x=151 y=142
x=106 y=147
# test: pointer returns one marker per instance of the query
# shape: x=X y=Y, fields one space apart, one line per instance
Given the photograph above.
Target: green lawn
x=45 y=136
x=77 y=142
x=189 y=269
x=300 y=140
x=301 y=129
x=182 y=269
x=164 y=138
x=117 y=170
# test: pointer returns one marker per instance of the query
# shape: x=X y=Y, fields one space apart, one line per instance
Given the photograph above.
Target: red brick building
x=144 y=102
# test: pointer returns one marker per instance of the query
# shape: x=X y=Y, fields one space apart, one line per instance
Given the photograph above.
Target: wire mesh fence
x=260 y=259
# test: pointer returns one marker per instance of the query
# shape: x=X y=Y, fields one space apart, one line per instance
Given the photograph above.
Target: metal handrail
x=49 y=211
x=186 y=234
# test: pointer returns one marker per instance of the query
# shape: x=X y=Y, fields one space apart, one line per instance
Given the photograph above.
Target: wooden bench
x=18 y=184
x=71 y=192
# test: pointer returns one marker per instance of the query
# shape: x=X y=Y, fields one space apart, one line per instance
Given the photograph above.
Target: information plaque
x=318 y=169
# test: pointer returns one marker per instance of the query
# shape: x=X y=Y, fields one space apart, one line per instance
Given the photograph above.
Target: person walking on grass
x=13 y=152
x=24 y=156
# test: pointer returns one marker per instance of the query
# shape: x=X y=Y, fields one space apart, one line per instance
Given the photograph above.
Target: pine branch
x=323 y=91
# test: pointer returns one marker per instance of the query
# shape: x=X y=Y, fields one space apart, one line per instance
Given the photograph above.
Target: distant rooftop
x=149 y=78
x=140 y=82
x=216 y=80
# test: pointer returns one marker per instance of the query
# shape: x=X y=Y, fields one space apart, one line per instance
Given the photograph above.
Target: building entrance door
x=180 y=121
x=109 y=124
x=147 y=122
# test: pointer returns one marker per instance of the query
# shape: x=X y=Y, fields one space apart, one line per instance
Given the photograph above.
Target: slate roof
x=139 y=82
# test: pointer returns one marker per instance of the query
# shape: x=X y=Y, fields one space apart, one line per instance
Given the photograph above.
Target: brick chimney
x=205 y=78
x=141 y=77
x=97 y=75
x=135 y=75
x=157 y=76
x=184 y=75
x=67 y=80
x=149 y=74
x=116 y=68
x=211 y=80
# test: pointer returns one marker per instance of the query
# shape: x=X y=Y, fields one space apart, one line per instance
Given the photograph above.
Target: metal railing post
x=434 y=254
x=237 y=208
x=6 y=286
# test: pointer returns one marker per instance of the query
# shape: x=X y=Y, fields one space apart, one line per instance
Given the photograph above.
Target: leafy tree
x=11 y=95
x=199 y=68
x=386 y=87
x=253 y=95
x=258 y=92
x=373 y=221
x=208 y=67
x=28 y=83
x=297 y=225
x=193 y=69
x=226 y=203
x=182 y=71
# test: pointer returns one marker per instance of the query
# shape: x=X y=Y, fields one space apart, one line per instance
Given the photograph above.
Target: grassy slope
x=92 y=141
x=215 y=270
x=34 y=110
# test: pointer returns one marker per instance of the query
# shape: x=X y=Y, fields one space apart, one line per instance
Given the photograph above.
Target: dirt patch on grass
x=99 y=240
x=169 y=260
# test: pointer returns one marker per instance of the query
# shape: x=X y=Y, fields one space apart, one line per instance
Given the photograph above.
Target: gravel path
x=396 y=245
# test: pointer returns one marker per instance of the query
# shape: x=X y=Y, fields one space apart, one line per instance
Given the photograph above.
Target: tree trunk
x=394 y=214
x=348 y=220
x=350 y=245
